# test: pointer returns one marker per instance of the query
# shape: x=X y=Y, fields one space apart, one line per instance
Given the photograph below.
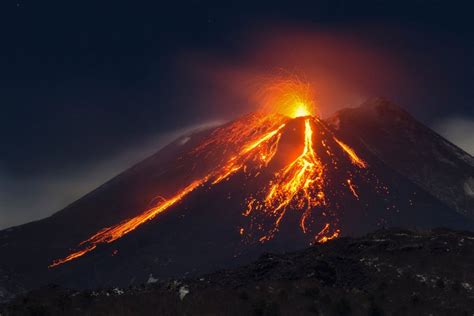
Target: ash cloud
x=28 y=198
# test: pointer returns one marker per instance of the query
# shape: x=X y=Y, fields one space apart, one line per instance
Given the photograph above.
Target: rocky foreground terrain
x=389 y=272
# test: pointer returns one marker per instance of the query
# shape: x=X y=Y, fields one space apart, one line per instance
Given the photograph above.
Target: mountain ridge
x=446 y=152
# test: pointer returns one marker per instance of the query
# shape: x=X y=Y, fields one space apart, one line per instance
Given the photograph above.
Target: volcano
x=264 y=182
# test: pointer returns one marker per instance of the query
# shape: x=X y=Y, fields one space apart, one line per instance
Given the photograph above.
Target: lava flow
x=248 y=146
x=300 y=184
x=260 y=150
x=110 y=234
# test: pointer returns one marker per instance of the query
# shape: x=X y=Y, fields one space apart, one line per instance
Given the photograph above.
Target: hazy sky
x=88 y=88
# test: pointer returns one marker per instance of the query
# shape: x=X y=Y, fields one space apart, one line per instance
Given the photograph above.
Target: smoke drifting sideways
x=343 y=69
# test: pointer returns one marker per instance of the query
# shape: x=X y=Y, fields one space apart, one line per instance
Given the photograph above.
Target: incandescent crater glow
x=301 y=109
x=288 y=96
x=301 y=185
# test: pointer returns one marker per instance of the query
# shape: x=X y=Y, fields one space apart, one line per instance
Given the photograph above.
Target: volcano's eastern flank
x=264 y=182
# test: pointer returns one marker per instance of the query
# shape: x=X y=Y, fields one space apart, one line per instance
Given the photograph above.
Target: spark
x=72 y=256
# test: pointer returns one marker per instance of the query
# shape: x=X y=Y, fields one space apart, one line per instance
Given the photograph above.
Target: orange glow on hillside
x=299 y=183
x=251 y=144
x=261 y=151
x=352 y=188
x=323 y=235
x=110 y=234
x=354 y=158
x=72 y=256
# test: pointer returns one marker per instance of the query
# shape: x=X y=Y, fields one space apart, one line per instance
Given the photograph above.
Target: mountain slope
x=260 y=183
x=402 y=142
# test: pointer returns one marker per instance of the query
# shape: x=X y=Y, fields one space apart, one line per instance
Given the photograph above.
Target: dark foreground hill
x=389 y=272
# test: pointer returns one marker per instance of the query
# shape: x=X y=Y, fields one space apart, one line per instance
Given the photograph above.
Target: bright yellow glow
x=300 y=110
x=288 y=96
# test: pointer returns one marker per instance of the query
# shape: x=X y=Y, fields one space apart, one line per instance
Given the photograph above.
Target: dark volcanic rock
x=394 y=272
x=399 y=140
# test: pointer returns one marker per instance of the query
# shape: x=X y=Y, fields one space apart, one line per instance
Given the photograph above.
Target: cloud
x=458 y=130
x=25 y=199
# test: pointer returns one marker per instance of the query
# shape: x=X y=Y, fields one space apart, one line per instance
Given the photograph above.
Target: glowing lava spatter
x=288 y=96
x=299 y=184
x=249 y=146
x=323 y=235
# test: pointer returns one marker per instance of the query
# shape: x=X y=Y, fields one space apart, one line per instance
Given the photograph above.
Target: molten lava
x=259 y=150
x=299 y=185
x=110 y=234
x=291 y=97
x=349 y=151
x=324 y=236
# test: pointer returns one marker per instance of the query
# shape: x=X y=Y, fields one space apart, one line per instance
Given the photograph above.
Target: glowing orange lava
x=72 y=256
x=110 y=234
x=299 y=184
x=248 y=146
x=264 y=154
x=323 y=235
x=354 y=158
x=352 y=188
x=291 y=97
x=260 y=150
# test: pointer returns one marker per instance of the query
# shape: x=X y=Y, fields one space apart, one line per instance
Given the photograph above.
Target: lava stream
x=300 y=185
x=110 y=234
x=352 y=188
x=324 y=236
x=236 y=163
x=349 y=151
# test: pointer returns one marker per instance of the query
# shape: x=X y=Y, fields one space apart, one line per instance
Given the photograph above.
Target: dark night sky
x=89 y=88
